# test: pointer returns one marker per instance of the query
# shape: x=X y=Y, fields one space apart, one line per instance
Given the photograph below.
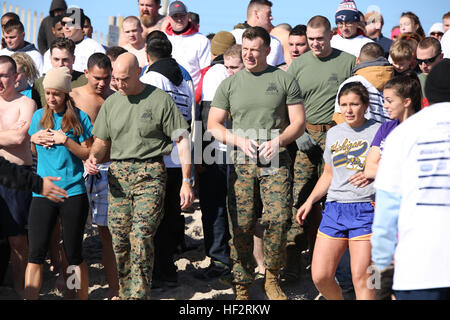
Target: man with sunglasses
x=73 y=23
x=350 y=37
x=429 y=54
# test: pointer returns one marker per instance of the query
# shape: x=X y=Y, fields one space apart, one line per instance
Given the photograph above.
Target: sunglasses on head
x=428 y=61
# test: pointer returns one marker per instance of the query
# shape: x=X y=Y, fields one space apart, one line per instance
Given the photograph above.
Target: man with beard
x=150 y=19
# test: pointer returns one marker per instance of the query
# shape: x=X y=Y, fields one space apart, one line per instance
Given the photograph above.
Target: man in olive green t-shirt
x=62 y=54
x=429 y=53
x=136 y=126
x=319 y=73
x=266 y=108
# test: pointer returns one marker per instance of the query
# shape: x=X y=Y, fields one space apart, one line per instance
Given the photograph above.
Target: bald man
x=136 y=127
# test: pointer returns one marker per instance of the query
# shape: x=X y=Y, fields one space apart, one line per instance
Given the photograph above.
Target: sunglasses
x=428 y=61
x=70 y=23
x=436 y=34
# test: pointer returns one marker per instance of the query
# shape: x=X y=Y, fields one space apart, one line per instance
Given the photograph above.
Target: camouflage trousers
x=307 y=169
x=136 y=196
x=249 y=184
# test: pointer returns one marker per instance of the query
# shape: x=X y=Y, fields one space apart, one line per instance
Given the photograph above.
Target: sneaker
x=214 y=271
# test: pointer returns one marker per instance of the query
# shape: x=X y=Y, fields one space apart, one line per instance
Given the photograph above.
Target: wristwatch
x=188 y=181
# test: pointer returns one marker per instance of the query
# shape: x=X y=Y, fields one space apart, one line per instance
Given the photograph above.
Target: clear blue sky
x=216 y=15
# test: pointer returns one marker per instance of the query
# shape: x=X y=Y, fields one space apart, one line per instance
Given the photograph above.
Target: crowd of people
x=298 y=139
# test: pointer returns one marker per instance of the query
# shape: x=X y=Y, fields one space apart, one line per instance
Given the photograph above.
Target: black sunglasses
x=63 y=23
x=428 y=61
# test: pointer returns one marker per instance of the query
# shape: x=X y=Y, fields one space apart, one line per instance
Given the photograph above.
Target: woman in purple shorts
x=402 y=96
x=348 y=214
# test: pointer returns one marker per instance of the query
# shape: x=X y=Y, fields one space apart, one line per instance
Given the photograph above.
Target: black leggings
x=73 y=213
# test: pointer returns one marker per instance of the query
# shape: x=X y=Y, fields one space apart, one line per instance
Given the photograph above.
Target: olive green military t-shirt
x=422 y=79
x=257 y=102
x=140 y=126
x=319 y=80
x=38 y=92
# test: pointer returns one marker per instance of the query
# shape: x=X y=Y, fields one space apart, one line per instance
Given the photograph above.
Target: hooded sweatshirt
x=353 y=45
x=166 y=75
x=378 y=72
x=191 y=49
x=198 y=91
x=29 y=49
x=46 y=36
x=373 y=75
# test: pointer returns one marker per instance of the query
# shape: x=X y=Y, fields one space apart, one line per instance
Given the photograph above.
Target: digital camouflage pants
x=136 y=196
x=248 y=183
x=308 y=168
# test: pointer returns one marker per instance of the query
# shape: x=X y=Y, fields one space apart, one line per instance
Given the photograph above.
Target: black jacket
x=45 y=35
x=14 y=177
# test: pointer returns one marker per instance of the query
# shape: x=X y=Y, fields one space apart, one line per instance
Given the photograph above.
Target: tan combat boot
x=242 y=291
x=272 y=286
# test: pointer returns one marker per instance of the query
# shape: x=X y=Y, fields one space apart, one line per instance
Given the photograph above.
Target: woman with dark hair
x=402 y=96
x=348 y=214
x=61 y=138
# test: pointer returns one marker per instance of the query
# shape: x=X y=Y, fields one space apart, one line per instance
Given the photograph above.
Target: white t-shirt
x=352 y=46
x=416 y=166
x=83 y=51
x=445 y=43
x=213 y=78
x=275 y=57
x=375 y=110
x=193 y=52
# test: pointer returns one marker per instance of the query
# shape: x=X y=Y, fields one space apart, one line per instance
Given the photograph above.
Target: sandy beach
x=189 y=288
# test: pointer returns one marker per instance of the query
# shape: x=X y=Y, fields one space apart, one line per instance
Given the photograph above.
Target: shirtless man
x=150 y=19
x=90 y=98
x=133 y=31
x=16 y=112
